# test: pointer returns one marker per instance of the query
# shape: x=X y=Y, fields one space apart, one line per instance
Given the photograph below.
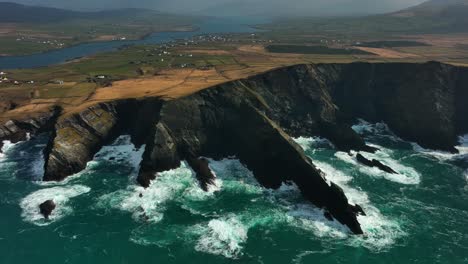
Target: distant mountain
x=437 y=15
x=17 y=13
x=317 y=8
x=437 y=8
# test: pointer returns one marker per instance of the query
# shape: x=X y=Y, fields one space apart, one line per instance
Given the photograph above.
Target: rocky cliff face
x=252 y=119
x=425 y=103
x=16 y=130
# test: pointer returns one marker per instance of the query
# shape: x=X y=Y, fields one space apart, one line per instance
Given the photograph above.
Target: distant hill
x=17 y=13
x=437 y=15
x=436 y=8
x=430 y=17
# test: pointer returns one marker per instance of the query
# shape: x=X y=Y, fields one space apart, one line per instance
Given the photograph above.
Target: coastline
x=189 y=28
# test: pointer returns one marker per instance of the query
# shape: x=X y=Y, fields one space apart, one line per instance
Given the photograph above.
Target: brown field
x=388 y=53
x=448 y=41
x=105 y=38
x=233 y=62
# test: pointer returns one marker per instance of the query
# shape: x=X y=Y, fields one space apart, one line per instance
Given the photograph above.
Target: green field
x=28 y=37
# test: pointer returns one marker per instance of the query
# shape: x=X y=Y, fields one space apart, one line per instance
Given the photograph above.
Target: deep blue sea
x=417 y=216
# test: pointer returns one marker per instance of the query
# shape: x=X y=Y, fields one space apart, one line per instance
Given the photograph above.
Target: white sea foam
x=406 y=174
x=7 y=146
x=120 y=151
x=381 y=129
x=238 y=177
x=61 y=197
x=150 y=204
x=380 y=232
x=308 y=143
x=444 y=155
x=223 y=236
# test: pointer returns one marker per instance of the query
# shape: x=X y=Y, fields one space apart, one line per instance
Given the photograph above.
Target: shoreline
x=194 y=28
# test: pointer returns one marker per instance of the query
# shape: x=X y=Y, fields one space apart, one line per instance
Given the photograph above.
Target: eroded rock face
x=78 y=137
x=252 y=119
x=425 y=103
x=17 y=129
x=231 y=121
x=46 y=208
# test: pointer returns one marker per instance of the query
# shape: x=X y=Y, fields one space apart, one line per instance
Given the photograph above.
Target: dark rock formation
x=253 y=119
x=230 y=121
x=425 y=103
x=160 y=155
x=46 y=208
x=375 y=163
x=202 y=171
x=78 y=137
x=17 y=129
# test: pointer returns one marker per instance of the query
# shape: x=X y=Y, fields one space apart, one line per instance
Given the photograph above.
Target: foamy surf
x=223 y=236
x=406 y=174
x=443 y=155
x=121 y=151
x=308 y=143
x=61 y=197
x=149 y=204
x=379 y=231
x=380 y=129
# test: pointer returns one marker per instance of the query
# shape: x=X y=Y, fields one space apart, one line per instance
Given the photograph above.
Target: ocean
x=417 y=216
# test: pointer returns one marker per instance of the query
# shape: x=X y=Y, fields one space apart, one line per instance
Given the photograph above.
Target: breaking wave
x=224 y=236
x=443 y=155
x=406 y=174
x=61 y=197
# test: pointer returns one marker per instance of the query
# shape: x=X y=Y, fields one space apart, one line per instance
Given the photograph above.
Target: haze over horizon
x=239 y=7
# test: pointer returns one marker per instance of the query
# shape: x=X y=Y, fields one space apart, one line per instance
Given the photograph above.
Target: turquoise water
x=418 y=216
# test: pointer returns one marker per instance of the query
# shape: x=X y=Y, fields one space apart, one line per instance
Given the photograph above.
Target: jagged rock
x=253 y=118
x=425 y=103
x=358 y=209
x=77 y=138
x=202 y=171
x=375 y=163
x=18 y=129
x=160 y=155
x=46 y=208
x=222 y=122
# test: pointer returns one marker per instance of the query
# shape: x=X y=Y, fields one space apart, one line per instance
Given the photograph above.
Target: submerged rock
x=375 y=163
x=46 y=208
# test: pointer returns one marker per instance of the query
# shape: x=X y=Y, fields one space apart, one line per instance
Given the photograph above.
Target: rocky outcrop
x=375 y=163
x=16 y=130
x=230 y=121
x=46 y=208
x=253 y=119
x=78 y=137
x=424 y=103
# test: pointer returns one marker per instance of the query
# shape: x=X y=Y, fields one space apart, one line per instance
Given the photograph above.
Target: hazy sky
x=303 y=7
